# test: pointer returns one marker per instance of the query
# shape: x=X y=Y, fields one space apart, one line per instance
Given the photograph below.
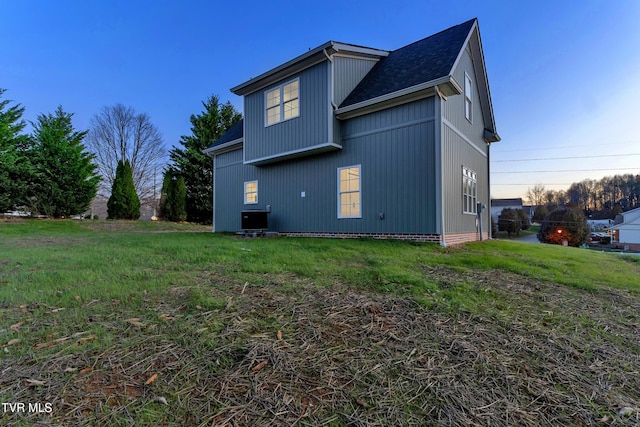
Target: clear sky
x=564 y=75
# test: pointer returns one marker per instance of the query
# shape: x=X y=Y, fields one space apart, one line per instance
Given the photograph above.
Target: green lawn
x=117 y=323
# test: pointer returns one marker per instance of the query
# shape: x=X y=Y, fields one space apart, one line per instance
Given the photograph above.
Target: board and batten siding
x=347 y=73
x=308 y=130
x=453 y=110
x=395 y=150
x=229 y=176
x=463 y=145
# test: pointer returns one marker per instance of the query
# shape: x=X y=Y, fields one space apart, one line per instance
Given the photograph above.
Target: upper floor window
x=469 y=191
x=282 y=103
x=349 y=192
x=250 y=192
x=468 y=98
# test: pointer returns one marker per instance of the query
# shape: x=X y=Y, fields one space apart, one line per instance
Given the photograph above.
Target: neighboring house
x=628 y=232
x=497 y=205
x=351 y=141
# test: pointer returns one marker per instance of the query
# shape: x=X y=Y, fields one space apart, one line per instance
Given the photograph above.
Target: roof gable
x=423 y=61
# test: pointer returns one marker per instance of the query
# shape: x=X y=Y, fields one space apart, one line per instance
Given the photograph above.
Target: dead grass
x=288 y=352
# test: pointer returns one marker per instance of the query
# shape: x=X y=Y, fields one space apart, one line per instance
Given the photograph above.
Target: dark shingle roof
x=234 y=132
x=419 y=62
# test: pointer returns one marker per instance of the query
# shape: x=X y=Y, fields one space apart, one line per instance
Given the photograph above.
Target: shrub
x=564 y=224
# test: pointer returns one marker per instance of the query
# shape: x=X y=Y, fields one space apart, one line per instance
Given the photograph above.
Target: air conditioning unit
x=255 y=220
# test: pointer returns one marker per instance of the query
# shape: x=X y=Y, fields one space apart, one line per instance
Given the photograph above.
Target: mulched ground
x=288 y=352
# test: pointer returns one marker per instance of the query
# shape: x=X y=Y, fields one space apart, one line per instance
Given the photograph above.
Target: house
x=627 y=233
x=498 y=205
x=353 y=141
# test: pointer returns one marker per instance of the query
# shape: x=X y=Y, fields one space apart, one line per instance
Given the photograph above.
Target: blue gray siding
x=395 y=149
x=347 y=73
x=305 y=132
x=463 y=145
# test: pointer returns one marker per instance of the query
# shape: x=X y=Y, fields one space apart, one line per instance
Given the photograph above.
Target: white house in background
x=497 y=205
x=628 y=231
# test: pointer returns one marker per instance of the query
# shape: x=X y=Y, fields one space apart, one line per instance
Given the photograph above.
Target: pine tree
x=65 y=179
x=15 y=170
x=124 y=202
x=196 y=167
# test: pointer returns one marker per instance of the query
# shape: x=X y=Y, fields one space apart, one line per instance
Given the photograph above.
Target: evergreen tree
x=124 y=202
x=173 y=197
x=65 y=179
x=195 y=166
x=15 y=169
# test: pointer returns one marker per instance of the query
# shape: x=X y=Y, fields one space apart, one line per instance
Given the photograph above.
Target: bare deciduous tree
x=118 y=133
x=535 y=194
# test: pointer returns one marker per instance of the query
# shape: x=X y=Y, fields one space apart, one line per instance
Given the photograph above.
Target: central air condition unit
x=255 y=220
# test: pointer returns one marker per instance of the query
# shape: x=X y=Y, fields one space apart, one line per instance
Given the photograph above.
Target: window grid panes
x=250 y=192
x=469 y=191
x=467 y=97
x=349 y=192
x=282 y=103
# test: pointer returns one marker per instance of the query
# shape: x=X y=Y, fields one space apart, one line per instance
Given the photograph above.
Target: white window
x=468 y=99
x=469 y=191
x=251 y=192
x=349 y=192
x=282 y=103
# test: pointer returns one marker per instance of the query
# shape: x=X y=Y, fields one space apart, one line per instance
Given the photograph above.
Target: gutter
x=446 y=86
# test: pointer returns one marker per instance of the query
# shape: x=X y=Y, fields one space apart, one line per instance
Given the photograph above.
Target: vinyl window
x=251 y=192
x=468 y=98
x=282 y=103
x=469 y=191
x=349 y=195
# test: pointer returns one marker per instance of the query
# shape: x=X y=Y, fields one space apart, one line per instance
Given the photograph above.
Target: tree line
x=598 y=199
x=56 y=170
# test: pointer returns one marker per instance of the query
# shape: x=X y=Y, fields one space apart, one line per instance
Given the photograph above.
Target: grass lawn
x=118 y=323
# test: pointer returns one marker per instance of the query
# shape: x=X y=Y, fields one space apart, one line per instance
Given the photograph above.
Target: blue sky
x=564 y=75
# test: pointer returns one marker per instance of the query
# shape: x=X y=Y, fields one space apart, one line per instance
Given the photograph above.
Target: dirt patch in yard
x=289 y=352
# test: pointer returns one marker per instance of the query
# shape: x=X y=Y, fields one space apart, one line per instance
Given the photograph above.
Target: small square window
x=250 y=192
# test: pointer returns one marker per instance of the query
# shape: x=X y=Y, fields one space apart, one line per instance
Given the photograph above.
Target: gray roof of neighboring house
x=420 y=62
x=506 y=202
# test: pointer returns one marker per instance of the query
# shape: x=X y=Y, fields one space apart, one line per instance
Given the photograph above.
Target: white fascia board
x=283 y=71
x=222 y=148
x=302 y=152
x=346 y=48
x=402 y=96
x=299 y=63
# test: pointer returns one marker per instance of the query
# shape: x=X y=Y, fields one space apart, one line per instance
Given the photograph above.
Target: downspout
x=332 y=106
x=439 y=156
x=489 y=228
x=213 y=195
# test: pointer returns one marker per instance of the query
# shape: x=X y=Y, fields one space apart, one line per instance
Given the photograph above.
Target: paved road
x=531 y=239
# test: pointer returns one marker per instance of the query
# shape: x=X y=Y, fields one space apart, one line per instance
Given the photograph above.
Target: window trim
x=247 y=193
x=468 y=100
x=469 y=175
x=340 y=216
x=280 y=88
